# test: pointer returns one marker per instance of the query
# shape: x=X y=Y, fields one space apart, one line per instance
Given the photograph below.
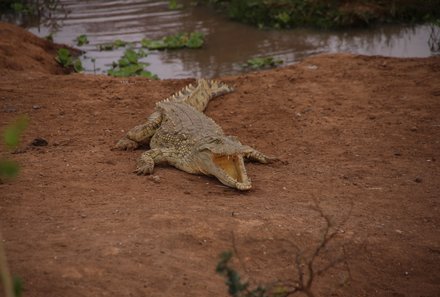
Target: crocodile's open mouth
x=232 y=170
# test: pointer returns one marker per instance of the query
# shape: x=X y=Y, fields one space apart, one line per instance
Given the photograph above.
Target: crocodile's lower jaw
x=233 y=168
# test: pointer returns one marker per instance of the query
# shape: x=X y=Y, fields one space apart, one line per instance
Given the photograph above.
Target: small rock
x=418 y=179
x=39 y=142
x=372 y=117
x=399 y=231
x=36 y=106
x=397 y=153
x=414 y=128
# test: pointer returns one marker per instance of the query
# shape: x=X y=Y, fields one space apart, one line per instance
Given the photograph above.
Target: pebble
x=39 y=142
x=418 y=179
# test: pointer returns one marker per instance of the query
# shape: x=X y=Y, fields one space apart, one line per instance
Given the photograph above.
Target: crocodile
x=180 y=134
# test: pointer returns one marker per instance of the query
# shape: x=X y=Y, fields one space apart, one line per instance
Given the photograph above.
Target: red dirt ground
x=353 y=132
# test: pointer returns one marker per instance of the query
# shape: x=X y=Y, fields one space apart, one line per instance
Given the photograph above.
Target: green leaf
x=81 y=40
x=77 y=66
x=263 y=62
x=18 y=286
x=131 y=56
x=13 y=132
x=49 y=37
x=196 y=40
x=119 y=43
x=148 y=74
x=123 y=62
x=172 y=4
x=8 y=168
x=63 y=57
x=175 y=41
x=153 y=44
x=106 y=47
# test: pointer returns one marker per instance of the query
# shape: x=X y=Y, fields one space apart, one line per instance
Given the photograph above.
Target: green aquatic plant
x=262 y=62
x=129 y=65
x=82 y=40
x=326 y=14
x=65 y=59
x=49 y=37
x=112 y=45
x=173 y=4
x=175 y=41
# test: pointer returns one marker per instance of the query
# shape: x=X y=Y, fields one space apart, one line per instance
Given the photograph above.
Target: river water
x=228 y=44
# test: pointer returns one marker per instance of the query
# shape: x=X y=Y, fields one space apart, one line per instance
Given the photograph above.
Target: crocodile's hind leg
x=140 y=134
x=154 y=156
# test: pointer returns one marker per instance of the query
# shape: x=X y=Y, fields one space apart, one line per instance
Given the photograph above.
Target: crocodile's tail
x=198 y=96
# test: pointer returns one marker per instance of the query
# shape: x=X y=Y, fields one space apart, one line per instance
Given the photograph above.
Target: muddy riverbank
x=360 y=134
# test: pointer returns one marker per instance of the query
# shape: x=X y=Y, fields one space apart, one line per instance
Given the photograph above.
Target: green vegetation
x=65 y=59
x=175 y=41
x=236 y=287
x=49 y=37
x=327 y=14
x=129 y=65
x=17 y=6
x=81 y=40
x=262 y=63
x=12 y=287
x=113 y=45
x=11 y=138
x=172 y=4
x=29 y=10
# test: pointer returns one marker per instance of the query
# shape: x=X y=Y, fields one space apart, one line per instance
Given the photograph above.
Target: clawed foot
x=125 y=144
x=144 y=168
x=270 y=160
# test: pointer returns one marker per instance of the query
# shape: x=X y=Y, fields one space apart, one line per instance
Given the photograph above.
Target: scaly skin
x=180 y=134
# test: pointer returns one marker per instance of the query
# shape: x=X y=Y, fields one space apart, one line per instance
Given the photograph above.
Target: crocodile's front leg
x=140 y=134
x=254 y=155
x=154 y=156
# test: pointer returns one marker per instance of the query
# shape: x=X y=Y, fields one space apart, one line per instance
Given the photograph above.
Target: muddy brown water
x=228 y=44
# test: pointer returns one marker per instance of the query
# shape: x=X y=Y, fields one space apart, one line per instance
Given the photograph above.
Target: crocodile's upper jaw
x=229 y=169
